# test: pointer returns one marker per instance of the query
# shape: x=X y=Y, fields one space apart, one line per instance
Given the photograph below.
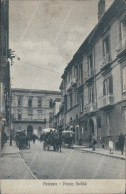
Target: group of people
x=121 y=143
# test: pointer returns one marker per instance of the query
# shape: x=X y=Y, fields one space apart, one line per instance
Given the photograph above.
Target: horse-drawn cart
x=51 y=139
x=68 y=138
x=22 y=140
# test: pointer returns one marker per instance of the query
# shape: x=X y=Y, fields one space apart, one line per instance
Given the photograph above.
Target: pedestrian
x=121 y=142
x=41 y=138
x=111 y=146
x=93 y=142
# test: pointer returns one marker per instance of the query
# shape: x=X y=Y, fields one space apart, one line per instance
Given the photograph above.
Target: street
x=71 y=164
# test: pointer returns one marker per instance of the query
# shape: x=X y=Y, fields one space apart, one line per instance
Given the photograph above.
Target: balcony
x=68 y=87
x=106 y=101
x=29 y=120
x=90 y=108
x=71 y=84
x=105 y=61
x=122 y=48
x=89 y=75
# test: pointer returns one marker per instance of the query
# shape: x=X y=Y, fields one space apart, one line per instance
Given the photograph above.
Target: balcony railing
x=106 y=101
x=29 y=119
x=90 y=74
x=90 y=108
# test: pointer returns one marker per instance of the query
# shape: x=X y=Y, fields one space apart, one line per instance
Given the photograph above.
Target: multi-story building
x=94 y=82
x=57 y=117
x=53 y=115
x=5 y=95
x=31 y=109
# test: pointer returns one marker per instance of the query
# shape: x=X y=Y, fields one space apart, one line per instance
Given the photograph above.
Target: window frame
x=122 y=80
x=90 y=62
x=81 y=73
x=107 y=87
x=39 y=103
x=39 y=114
x=19 y=115
x=30 y=100
x=81 y=103
x=107 y=37
x=20 y=100
x=91 y=95
x=71 y=100
x=123 y=20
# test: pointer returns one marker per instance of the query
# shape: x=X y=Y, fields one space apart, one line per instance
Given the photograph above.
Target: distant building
x=53 y=116
x=31 y=109
x=94 y=82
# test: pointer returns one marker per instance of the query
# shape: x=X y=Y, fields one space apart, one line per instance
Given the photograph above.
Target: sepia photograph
x=62 y=96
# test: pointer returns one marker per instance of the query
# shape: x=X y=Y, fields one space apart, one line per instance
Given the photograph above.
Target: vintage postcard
x=62 y=96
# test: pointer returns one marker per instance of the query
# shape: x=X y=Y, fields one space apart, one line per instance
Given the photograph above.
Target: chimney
x=101 y=9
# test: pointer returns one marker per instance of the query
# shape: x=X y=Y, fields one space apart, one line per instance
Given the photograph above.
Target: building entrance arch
x=29 y=130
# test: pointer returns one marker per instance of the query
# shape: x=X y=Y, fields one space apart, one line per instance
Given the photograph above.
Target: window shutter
x=111 y=84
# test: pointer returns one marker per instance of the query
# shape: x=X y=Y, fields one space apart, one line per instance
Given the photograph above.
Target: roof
x=22 y=90
x=118 y=7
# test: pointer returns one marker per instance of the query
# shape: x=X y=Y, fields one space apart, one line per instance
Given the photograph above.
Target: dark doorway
x=91 y=126
x=30 y=130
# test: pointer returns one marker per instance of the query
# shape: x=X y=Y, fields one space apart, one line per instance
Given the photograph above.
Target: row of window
x=107 y=89
x=78 y=70
x=30 y=102
x=30 y=115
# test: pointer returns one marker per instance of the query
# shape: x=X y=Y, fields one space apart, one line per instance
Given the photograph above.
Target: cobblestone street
x=71 y=164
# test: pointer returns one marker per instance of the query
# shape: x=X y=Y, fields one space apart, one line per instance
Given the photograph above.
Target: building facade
x=31 y=109
x=5 y=95
x=94 y=82
x=53 y=116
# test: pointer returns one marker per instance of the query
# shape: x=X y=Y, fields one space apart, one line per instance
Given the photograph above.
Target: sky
x=45 y=34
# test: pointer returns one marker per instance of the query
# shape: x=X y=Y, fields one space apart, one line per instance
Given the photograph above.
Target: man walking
x=121 y=141
x=93 y=142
